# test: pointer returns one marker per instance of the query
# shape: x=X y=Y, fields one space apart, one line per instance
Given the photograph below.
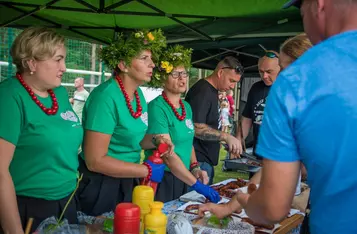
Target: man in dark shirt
x=203 y=98
x=254 y=109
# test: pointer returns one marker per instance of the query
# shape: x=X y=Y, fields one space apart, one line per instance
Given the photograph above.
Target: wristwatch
x=154 y=139
x=195 y=169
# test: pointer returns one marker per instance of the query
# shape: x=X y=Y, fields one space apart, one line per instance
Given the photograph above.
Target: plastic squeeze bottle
x=143 y=196
x=127 y=219
x=156 y=159
x=155 y=221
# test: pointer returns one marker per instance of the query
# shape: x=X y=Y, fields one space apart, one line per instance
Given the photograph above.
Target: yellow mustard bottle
x=143 y=196
x=155 y=221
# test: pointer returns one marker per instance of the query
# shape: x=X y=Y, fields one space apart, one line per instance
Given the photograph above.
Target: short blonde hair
x=224 y=104
x=294 y=47
x=34 y=43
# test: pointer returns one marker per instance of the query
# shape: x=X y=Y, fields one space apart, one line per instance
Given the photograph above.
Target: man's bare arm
x=206 y=133
x=243 y=130
x=278 y=183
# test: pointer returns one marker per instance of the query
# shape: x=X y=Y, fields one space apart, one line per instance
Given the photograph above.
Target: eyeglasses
x=176 y=74
x=238 y=69
x=271 y=55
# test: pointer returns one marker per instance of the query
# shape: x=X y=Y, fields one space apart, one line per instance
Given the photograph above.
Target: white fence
x=74 y=71
x=149 y=93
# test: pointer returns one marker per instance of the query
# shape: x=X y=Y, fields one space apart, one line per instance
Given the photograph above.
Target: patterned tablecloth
x=175 y=204
x=169 y=207
x=172 y=206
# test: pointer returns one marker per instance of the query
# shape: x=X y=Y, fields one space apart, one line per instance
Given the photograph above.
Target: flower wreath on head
x=127 y=48
x=173 y=57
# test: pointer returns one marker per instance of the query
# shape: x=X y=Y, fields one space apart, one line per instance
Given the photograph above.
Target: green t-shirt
x=106 y=112
x=45 y=160
x=162 y=120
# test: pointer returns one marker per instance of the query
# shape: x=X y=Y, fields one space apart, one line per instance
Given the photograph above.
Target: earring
x=31 y=72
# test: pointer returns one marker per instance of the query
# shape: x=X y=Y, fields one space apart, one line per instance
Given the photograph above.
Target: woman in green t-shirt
x=171 y=118
x=39 y=135
x=115 y=121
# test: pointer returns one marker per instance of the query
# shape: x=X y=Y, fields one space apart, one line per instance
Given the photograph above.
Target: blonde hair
x=34 y=43
x=224 y=104
x=294 y=47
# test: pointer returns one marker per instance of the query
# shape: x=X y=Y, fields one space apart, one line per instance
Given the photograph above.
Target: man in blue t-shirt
x=311 y=116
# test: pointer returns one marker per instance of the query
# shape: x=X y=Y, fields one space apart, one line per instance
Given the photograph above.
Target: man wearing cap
x=252 y=115
x=311 y=116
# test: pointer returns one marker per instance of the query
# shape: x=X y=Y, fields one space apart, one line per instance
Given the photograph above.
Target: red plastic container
x=127 y=219
x=156 y=159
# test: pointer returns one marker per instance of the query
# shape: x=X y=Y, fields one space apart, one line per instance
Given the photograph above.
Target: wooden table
x=289 y=224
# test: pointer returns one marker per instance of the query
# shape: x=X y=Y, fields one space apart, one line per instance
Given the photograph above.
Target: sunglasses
x=238 y=69
x=271 y=55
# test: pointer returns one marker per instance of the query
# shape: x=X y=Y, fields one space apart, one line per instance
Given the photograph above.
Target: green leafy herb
x=169 y=59
x=218 y=223
x=127 y=48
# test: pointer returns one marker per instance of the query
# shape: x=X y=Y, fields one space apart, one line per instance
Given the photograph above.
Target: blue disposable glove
x=206 y=191
x=157 y=171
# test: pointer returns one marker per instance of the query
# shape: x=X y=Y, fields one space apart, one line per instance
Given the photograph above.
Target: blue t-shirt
x=311 y=116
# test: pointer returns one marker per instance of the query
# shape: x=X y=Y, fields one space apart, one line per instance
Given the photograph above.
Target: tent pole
x=238 y=52
x=176 y=20
x=237 y=101
x=116 y=5
x=225 y=52
x=261 y=46
x=89 y=36
x=253 y=66
x=89 y=6
x=26 y=14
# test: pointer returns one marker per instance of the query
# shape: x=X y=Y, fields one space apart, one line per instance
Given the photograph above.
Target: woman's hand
x=200 y=175
x=224 y=210
x=162 y=140
x=219 y=210
x=206 y=191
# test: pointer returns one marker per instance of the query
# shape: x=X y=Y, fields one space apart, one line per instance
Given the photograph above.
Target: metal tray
x=250 y=157
x=241 y=164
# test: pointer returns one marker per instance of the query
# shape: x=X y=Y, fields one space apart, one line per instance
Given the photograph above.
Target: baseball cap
x=296 y=3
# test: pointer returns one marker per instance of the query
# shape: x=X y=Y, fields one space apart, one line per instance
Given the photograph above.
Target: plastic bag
x=233 y=227
x=51 y=226
x=87 y=225
x=178 y=224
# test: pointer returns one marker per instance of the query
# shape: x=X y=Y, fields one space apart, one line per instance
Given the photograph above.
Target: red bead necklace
x=178 y=116
x=49 y=111
x=139 y=109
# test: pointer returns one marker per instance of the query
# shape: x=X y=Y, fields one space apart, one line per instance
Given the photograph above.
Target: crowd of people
x=309 y=119
x=42 y=174
x=303 y=121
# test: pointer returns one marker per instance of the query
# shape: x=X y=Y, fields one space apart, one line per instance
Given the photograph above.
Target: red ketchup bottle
x=127 y=219
x=156 y=159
